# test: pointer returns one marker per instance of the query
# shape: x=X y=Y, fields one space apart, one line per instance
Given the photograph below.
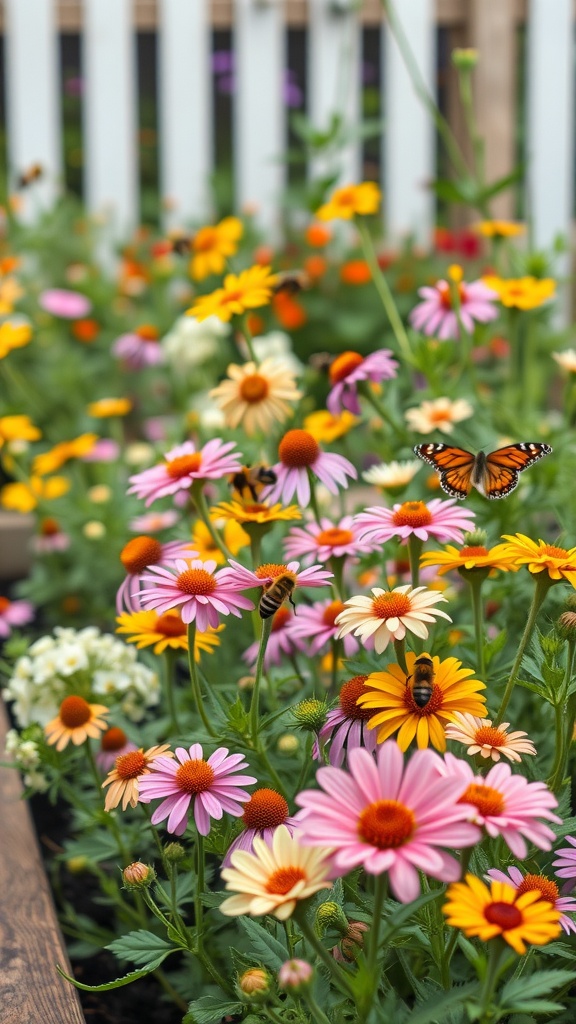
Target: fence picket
x=110 y=112
x=185 y=110
x=409 y=144
x=33 y=98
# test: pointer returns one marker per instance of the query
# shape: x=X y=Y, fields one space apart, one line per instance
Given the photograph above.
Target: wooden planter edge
x=32 y=944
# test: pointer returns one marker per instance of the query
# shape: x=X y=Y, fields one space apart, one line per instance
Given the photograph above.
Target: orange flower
x=85 y=330
x=355 y=272
x=315 y=267
x=129 y=768
x=76 y=721
x=318 y=235
x=288 y=311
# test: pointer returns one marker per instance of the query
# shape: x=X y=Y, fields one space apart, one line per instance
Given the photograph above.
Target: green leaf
x=449 y=191
x=522 y=989
x=264 y=946
x=493 y=647
x=405 y=911
x=208 y=1009
x=127 y=979
x=501 y=184
x=537 y=1006
x=436 y=1006
x=139 y=946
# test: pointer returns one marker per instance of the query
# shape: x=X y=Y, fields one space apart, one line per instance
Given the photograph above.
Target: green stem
x=414 y=552
x=477 y=142
x=543 y=584
x=564 y=715
x=247 y=335
x=497 y=954
x=197 y=692
x=198 y=908
x=478 y=616
x=256 y=549
x=279 y=785
x=383 y=289
x=318 y=1015
x=373 y=937
x=202 y=509
x=400 y=649
x=338 y=975
x=305 y=766
x=255 y=703
x=169 y=665
x=313 y=499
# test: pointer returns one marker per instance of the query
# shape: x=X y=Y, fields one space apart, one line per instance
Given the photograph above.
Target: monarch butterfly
x=495 y=475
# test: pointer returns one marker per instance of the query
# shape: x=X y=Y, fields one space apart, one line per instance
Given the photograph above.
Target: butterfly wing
x=503 y=466
x=453 y=465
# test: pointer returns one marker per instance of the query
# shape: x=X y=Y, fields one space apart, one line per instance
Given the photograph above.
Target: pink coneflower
x=182 y=466
x=281 y=642
x=114 y=743
x=139 y=348
x=437 y=314
x=506 y=805
x=154 y=522
x=105 y=449
x=211 y=784
x=140 y=554
x=388 y=614
x=202 y=593
x=345 y=726
x=316 y=623
x=436 y=518
x=387 y=817
x=350 y=369
x=14 y=613
x=565 y=862
x=542 y=884
x=265 y=811
x=327 y=540
x=64 y=303
x=299 y=453
x=50 y=537
x=242 y=578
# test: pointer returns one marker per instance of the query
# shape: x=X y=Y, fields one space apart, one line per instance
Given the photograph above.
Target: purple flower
x=14 y=613
x=350 y=369
x=437 y=314
x=66 y=304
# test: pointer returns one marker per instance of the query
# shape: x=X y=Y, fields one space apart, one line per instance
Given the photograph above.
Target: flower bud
x=571 y=603
x=566 y=626
x=174 y=852
x=288 y=743
x=465 y=58
x=310 y=714
x=138 y=875
x=254 y=984
x=77 y=865
x=295 y=975
x=331 y=915
x=352 y=942
x=475 y=539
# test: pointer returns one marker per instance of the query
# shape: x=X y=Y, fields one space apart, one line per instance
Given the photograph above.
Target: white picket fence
x=334 y=83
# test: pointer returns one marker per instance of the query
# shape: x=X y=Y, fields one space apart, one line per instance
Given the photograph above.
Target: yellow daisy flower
x=522 y=292
x=257 y=397
x=326 y=428
x=23 y=497
x=468 y=558
x=397 y=711
x=247 y=290
x=559 y=563
x=165 y=632
x=13 y=336
x=76 y=721
x=49 y=462
x=106 y=407
x=212 y=246
x=499 y=911
x=18 y=428
x=255 y=512
x=234 y=538
x=10 y=291
x=350 y=200
x=499 y=228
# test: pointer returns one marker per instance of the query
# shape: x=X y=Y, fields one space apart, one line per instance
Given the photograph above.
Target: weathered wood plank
x=30 y=939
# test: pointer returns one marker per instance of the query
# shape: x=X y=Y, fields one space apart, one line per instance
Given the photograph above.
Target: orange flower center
x=130 y=766
x=473 y=550
x=231 y=297
x=284 y=879
x=4 y=605
x=343 y=365
x=147 y=332
x=390 y=606
x=280 y=619
x=74 y=711
x=170 y=624
x=205 y=239
x=48 y=527
x=545 y=886
x=331 y=612
x=334 y=537
x=113 y=739
x=549 y=549
x=348 y=696
x=489 y=801
x=434 y=704
x=445 y=293
x=195 y=776
x=489 y=736
x=346 y=197
x=196 y=581
x=265 y=809
x=386 y=824
x=254 y=388
x=255 y=508
x=139 y=553
x=505 y=915
x=183 y=465
x=412 y=513
x=298 y=449
x=270 y=569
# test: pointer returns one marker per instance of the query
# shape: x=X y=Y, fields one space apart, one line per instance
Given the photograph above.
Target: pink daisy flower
x=64 y=303
x=327 y=540
x=350 y=369
x=546 y=886
x=202 y=593
x=261 y=815
x=154 y=522
x=211 y=785
x=506 y=805
x=281 y=643
x=14 y=613
x=566 y=862
x=182 y=466
x=139 y=348
x=437 y=518
x=242 y=578
x=436 y=314
x=384 y=816
x=345 y=726
x=316 y=623
x=138 y=555
x=300 y=453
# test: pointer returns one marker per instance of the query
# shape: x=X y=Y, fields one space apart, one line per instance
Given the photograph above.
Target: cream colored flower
x=273 y=879
x=566 y=359
x=391 y=474
x=438 y=414
x=389 y=614
x=256 y=396
x=487 y=740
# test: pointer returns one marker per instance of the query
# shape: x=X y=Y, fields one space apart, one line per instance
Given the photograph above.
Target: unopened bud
x=465 y=58
x=352 y=942
x=288 y=743
x=571 y=602
x=566 y=626
x=174 y=852
x=295 y=975
x=475 y=539
x=310 y=714
x=77 y=865
x=331 y=915
x=254 y=983
x=138 y=875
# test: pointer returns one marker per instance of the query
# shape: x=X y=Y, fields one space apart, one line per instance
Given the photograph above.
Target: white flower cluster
x=27 y=757
x=93 y=664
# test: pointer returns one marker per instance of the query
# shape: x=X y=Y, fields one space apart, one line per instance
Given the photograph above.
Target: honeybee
x=181 y=244
x=30 y=175
x=275 y=593
x=290 y=282
x=249 y=481
x=421 y=681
